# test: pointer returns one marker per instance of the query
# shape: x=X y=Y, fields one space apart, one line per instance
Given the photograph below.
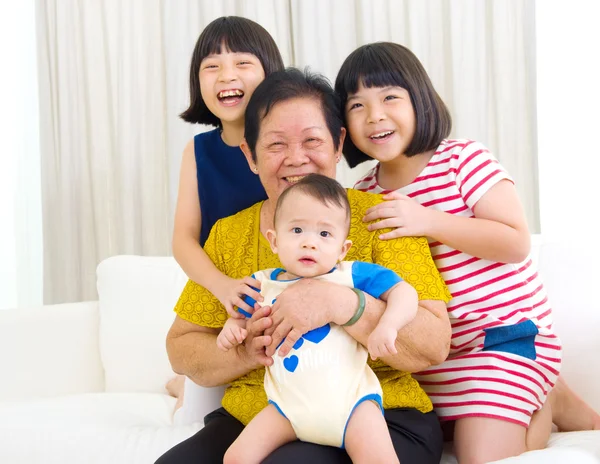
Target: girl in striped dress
x=504 y=357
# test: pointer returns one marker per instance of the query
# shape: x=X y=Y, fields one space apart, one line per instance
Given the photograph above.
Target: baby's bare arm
x=402 y=305
x=423 y=342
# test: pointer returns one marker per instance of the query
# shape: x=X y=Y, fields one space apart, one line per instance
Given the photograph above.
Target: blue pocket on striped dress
x=517 y=339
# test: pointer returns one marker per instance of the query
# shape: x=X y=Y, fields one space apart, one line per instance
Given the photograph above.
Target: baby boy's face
x=310 y=235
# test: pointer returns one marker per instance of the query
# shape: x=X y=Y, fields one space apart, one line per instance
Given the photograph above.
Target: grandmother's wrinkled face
x=293 y=141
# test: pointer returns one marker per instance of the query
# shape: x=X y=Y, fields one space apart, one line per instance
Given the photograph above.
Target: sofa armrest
x=50 y=350
x=570 y=275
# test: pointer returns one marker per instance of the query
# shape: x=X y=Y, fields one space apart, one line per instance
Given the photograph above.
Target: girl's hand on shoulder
x=401 y=213
x=231 y=292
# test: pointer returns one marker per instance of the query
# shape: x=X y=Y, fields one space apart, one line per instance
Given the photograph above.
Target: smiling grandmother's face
x=294 y=141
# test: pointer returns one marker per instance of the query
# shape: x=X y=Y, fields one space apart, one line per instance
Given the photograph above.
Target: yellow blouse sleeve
x=410 y=258
x=196 y=304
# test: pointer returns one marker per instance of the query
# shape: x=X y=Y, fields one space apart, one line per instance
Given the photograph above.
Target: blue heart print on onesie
x=291 y=363
x=315 y=336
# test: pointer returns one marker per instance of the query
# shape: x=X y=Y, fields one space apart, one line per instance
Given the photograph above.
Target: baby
x=324 y=392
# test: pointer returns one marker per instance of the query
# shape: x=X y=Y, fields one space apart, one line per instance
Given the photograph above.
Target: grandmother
x=293 y=127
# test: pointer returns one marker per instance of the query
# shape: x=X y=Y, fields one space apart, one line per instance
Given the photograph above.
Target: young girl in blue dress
x=231 y=57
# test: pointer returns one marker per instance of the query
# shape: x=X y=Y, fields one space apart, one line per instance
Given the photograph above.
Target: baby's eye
x=390 y=97
x=297 y=230
x=354 y=106
x=324 y=233
x=244 y=62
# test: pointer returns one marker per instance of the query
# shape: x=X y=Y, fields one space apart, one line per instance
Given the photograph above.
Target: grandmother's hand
x=253 y=348
x=306 y=305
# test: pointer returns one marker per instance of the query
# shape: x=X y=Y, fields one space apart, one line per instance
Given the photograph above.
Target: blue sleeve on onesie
x=373 y=278
x=250 y=301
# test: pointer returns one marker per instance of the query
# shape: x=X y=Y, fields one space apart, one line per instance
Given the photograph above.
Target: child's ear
x=272 y=238
x=248 y=154
x=343 y=134
x=345 y=247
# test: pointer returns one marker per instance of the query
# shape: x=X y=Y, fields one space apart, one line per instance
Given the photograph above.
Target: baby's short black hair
x=325 y=189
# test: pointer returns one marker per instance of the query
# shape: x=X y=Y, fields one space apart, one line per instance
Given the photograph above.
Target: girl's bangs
x=370 y=70
x=233 y=34
x=233 y=37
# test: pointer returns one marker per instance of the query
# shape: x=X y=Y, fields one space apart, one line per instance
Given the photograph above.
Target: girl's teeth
x=230 y=93
x=382 y=135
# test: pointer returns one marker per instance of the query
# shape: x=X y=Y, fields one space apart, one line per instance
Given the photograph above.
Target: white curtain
x=114 y=77
x=480 y=56
x=105 y=167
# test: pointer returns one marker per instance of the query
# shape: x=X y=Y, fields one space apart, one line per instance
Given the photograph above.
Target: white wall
x=20 y=192
x=568 y=93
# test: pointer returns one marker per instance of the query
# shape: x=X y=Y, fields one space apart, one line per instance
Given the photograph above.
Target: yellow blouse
x=238 y=249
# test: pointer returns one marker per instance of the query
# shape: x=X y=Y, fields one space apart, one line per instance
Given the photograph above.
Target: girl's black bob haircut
x=383 y=64
x=235 y=34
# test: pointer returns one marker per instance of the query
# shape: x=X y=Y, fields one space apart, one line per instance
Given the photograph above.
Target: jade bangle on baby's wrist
x=359 y=310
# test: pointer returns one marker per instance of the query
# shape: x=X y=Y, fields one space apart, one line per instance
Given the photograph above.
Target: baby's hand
x=382 y=342
x=231 y=336
x=231 y=292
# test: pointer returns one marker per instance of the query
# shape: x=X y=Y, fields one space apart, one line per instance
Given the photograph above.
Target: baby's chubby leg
x=367 y=436
x=264 y=434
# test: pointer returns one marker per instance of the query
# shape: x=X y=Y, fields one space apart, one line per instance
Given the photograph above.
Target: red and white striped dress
x=508 y=374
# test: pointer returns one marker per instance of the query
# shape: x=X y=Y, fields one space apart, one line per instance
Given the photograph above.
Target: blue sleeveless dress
x=226 y=184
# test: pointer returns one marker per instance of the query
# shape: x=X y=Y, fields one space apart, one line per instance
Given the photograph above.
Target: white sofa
x=84 y=382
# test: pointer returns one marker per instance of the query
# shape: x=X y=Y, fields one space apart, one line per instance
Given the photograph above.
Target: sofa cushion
x=49 y=351
x=123 y=428
x=95 y=429
x=563 y=448
x=97 y=409
x=136 y=299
